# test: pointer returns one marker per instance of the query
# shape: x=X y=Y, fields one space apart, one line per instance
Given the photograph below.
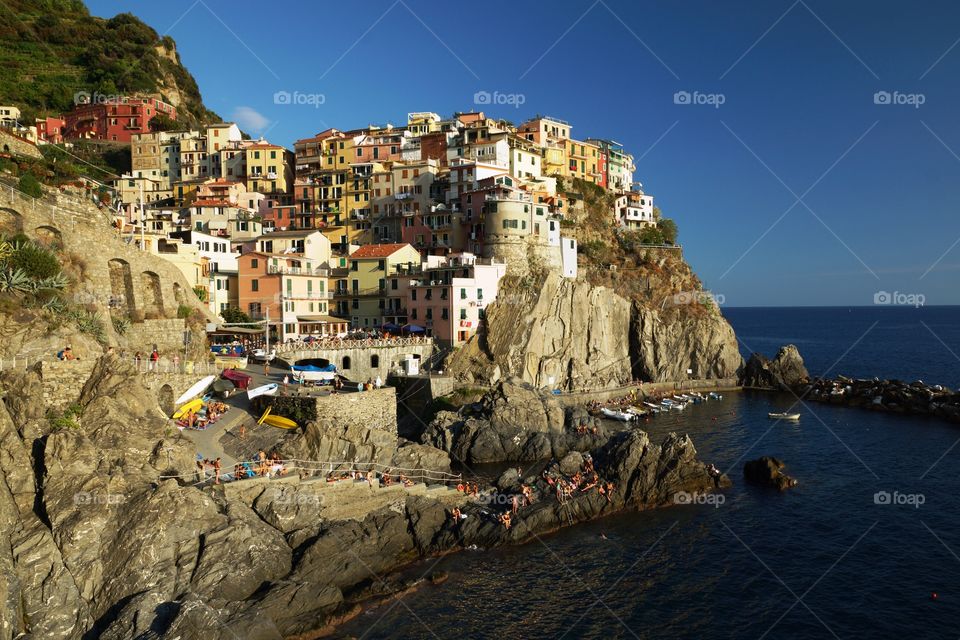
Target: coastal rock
x=514 y=404
x=666 y=343
x=768 y=471
x=558 y=333
x=785 y=372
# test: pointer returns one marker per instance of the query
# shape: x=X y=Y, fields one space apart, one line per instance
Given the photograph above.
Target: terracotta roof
x=378 y=250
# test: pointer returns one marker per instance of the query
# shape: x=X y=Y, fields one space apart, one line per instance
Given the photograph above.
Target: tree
x=162 y=122
x=232 y=315
x=669 y=230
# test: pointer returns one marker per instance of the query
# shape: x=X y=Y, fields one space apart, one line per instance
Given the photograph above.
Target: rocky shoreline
x=126 y=556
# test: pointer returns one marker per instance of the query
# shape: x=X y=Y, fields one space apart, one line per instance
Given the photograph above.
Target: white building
x=634 y=210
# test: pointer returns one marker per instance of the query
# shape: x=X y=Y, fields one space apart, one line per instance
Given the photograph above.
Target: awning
x=322 y=319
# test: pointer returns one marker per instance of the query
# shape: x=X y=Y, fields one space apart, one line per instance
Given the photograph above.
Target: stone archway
x=11 y=222
x=165 y=398
x=49 y=236
x=152 y=295
x=121 y=286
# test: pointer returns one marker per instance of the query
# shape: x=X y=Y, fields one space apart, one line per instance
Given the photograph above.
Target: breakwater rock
x=894 y=396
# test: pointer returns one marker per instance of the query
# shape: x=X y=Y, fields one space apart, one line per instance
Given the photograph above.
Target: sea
x=866 y=546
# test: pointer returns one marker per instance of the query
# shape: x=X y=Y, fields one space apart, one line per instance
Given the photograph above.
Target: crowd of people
x=208 y=414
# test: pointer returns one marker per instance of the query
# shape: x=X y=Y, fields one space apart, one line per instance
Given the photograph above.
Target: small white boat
x=622 y=416
x=713 y=395
x=784 y=416
x=195 y=390
x=679 y=406
x=653 y=407
x=263 y=390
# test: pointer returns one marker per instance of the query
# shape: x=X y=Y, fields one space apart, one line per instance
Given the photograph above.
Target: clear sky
x=791 y=181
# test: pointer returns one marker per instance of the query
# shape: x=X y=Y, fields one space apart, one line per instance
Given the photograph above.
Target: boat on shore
x=276 y=421
x=196 y=389
x=191 y=407
x=783 y=416
x=622 y=416
x=263 y=390
x=314 y=373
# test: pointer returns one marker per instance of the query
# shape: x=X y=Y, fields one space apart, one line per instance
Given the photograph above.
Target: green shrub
x=184 y=311
x=37 y=262
x=29 y=185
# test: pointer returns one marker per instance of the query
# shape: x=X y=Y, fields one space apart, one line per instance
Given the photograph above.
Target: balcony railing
x=298 y=271
x=307 y=295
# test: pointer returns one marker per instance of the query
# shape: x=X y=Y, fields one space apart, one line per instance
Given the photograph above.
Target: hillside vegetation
x=52 y=49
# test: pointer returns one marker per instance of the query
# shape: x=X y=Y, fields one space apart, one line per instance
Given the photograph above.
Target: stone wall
x=365 y=410
x=167 y=334
x=16 y=145
x=63 y=380
x=389 y=359
x=118 y=279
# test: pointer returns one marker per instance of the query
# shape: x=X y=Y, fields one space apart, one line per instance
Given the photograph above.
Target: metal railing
x=324 y=343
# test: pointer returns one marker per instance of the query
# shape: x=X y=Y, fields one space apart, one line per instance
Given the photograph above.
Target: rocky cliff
x=585 y=334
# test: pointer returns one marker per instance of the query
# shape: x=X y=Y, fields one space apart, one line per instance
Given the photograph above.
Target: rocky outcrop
x=572 y=334
x=767 y=471
x=512 y=422
x=557 y=332
x=666 y=344
x=786 y=371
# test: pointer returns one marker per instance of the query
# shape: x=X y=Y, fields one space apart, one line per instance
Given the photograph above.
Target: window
x=479 y=294
x=254 y=285
x=374 y=361
x=463 y=314
x=444 y=314
x=345 y=364
x=463 y=294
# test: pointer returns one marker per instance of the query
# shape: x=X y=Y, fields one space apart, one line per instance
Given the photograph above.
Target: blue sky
x=877 y=184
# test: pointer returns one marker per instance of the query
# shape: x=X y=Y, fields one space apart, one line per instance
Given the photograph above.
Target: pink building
x=449 y=298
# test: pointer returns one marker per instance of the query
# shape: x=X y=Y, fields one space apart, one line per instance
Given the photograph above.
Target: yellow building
x=269 y=170
x=364 y=287
x=584 y=161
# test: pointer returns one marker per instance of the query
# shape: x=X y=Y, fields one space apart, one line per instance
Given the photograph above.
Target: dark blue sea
x=855 y=551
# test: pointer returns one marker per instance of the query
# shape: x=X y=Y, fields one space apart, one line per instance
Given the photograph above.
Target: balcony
x=307 y=295
x=403 y=195
x=322 y=272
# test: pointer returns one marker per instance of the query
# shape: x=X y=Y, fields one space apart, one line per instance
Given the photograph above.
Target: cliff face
x=665 y=344
x=577 y=334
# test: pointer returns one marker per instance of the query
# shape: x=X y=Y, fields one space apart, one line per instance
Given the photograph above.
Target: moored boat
x=276 y=421
x=196 y=389
x=784 y=416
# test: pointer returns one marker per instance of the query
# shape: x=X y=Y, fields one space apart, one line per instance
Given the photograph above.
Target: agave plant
x=6 y=250
x=56 y=306
x=15 y=281
x=55 y=282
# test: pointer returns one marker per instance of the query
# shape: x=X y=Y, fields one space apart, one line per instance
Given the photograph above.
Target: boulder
x=767 y=471
x=785 y=372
